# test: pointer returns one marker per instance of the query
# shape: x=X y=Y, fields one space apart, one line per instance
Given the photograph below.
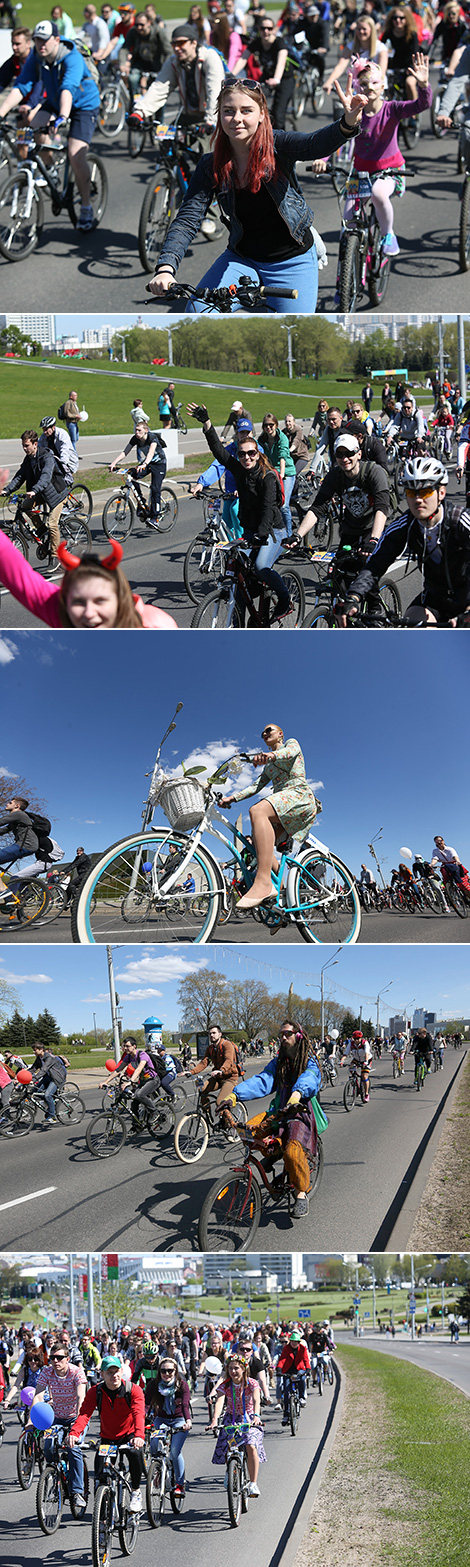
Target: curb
x=296 y=1525
x=396 y=1226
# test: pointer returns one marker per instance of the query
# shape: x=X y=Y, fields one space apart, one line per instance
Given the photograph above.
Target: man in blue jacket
x=69 y=92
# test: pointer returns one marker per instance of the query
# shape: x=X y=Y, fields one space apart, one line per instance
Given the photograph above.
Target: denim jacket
x=283 y=187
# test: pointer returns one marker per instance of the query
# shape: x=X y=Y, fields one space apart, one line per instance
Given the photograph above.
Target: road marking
x=29 y=1198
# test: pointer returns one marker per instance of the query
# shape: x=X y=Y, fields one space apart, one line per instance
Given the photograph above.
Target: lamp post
x=290 y=356
x=331 y=961
x=381 y=993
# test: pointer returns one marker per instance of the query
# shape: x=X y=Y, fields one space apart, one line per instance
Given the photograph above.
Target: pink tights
x=381 y=193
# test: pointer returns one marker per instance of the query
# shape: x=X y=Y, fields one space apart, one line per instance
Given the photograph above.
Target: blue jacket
x=69 y=70
x=283 y=187
x=307 y=1084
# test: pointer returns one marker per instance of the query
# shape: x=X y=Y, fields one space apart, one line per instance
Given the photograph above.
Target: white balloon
x=407 y=853
x=334 y=1033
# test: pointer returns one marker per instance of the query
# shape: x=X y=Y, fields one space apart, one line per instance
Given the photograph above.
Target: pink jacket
x=42 y=597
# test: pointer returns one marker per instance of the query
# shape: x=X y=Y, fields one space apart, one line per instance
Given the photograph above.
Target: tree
x=47 y=1031
x=463 y=1306
x=203 y=998
x=8 y=998
x=118 y=1302
x=247 y=1004
x=14 y=785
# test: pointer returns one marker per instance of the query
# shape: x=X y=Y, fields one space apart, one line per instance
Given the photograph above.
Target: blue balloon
x=42 y=1416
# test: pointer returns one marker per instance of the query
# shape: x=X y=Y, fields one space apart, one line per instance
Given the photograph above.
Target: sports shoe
x=208 y=227
x=86 y=220
x=135 y=1505
x=253 y=1489
x=278 y=1405
x=285 y=1421
x=303 y=1402
x=301 y=1207
x=390 y=246
x=281 y=613
x=79 y=1500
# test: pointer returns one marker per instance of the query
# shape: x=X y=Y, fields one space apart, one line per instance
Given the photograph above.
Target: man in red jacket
x=293 y=1359
x=122 y=1420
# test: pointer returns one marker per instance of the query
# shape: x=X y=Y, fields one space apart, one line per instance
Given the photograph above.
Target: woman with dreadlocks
x=295 y=1076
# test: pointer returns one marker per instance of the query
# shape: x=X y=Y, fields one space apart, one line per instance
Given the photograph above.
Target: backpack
x=99 y=1396
x=42 y=827
x=85 y=51
x=61 y=411
x=239 y=1058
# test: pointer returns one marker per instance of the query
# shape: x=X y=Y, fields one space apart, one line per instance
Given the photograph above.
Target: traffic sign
x=412 y=1308
x=304 y=1311
x=357 y=1300
x=412 y=1300
x=367 y=1313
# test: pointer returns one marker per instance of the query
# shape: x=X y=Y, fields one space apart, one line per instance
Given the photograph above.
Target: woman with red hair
x=251 y=171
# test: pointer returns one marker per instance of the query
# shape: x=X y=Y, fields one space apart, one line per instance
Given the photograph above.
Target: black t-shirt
x=192 y=99
x=361 y=496
x=264 y=230
x=143 y=447
x=268 y=56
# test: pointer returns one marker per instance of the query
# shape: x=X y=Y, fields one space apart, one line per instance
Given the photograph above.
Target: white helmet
x=422 y=471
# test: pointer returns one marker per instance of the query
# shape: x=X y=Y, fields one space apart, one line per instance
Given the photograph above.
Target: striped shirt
x=63 y=1390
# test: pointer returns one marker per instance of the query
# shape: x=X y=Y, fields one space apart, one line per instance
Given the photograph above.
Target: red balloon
x=129 y=1070
x=23 y=1076
x=111 y=1066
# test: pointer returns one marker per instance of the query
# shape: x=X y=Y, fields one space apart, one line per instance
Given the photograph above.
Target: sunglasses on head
x=240 y=81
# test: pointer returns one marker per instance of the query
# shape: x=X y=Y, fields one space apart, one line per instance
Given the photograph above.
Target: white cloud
x=158 y=970
x=5 y=773
x=8 y=650
x=139 y=995
x=26 y=979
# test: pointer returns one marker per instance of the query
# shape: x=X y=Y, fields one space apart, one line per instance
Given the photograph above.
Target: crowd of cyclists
x=440 y=884
x=233 y=74
x=146 y=1383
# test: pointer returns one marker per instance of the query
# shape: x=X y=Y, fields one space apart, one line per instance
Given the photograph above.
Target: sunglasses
x=59 y=1358
x=251 y=452
x=240 y=81
x=425 y=494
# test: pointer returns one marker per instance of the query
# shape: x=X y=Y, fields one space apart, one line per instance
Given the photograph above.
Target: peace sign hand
x=353 y=103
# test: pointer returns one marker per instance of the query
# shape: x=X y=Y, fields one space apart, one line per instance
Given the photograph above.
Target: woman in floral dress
x=288 y=812
x=241 y=1396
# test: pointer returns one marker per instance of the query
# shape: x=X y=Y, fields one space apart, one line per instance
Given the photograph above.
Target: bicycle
x=115 y=101
x=54 y=1488
x=319 y=896
x=292 y=1401
x=22 y=906
x=126 y=506
x=362 y=266
x=326 y=1366
x=421 y=1072
x=248 y=294
x=456 y=895
x=357 y=1087
x=201 y=565
x=25 y=1102
x=238 y=1479
x=381 y=609
x=109 y=1129
x=161 y=1483
x=29 y=532
x=193 y=1131
x=112 y=1507
x=240 y=592
x=398 y=1063
x=179 y=150
x=29 y=1452
x=231 y=1212
x=21 y=198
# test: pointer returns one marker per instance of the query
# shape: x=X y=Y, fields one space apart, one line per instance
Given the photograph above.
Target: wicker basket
x=182 y=800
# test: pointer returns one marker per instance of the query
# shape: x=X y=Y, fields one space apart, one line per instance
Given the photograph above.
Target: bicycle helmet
x=357 y=1034
x=423 y=471
x=49 y=422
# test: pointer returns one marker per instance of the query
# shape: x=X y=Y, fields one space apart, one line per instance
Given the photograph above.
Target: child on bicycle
x=379 y=167
x=444 y=420
x=242 y=1398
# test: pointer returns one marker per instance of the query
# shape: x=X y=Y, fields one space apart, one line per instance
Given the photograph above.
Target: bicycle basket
x=182 y=800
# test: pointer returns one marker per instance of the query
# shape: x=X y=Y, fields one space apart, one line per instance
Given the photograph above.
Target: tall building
x=419 y=1015
x=97 y=336
x=39 y=325
x=286 y=1266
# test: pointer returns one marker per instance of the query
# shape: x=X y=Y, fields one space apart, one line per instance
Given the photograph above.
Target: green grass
x=428 y=1430
x=171 y=10
x=327 y=1303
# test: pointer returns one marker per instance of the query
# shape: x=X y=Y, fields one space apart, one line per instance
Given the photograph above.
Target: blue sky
x=74 y=324
x=381 y=719
x=72 y=982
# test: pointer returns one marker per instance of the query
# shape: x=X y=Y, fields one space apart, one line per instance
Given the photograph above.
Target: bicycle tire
x=320 y=1378
x=102 y=1527
x=230 y=1213
x=295 y=587
x=390 y=597
x=155 y=1493
x=136 y=907
x=311 y=872
x=69 y=1108
x=26 y=1459
x=177 y=1501
x=34 y=901
x=437 y=130
x=128 y=1530
x=161 y=1120
x=457 y=901
x=98 y=192
x=79 y=1512
x=349 y=1095
x=112 y=114
x=116 y=869
x=464 y=226
x=349 y=274
x=245 y=1483
x=158 y=211
x=135 y=140
x=49 y=1500
x=317 y=98
x=19 y=1123
x=214 y=613
x=394 y=1069
x=298 y=100
x=106 y=1134
x=410 y=133
x=191 y=1138
x=118 y=517
x=83 y=498
x=234 y=1491
x=380 y=266
x=198 y=582
x=322 y=618
x=14 y=192
x=293 y=1415
x=168 y=513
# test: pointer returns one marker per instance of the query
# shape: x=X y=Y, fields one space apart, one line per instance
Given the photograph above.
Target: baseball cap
x=110 y=1360
x=185 y=31
x=235 y=406
x=295 y=1336
x=45 y=30
x=244 y=424
x=347 y=443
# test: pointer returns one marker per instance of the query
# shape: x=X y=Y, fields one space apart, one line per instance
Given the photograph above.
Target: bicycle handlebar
x=223 y=298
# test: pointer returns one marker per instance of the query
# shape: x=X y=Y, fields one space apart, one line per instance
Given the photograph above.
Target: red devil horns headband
x=109 y=563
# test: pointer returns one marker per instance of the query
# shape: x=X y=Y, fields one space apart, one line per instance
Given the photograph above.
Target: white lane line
x=29 y=1198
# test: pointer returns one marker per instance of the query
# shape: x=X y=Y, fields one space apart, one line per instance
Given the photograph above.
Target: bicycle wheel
x=380 y=267
x=330 y=1373
x=320 y=1378
x=20 y=223
x=324 y=899
x=80 y=497
x=34 y=901
x=69 y=1108
x=191 y=1138
x=390 y=598
x=230 y=1214
x=155 y=1493
x=102 y=1527
x=293 y=1414
x=322 y=618
x=112 y=112
x=26 y=1459
x=128 y=1529
x=105 y=1134
x=158 y=211
x=161 y=1120
x=79 y=1512
x=98 y=191
x=217 y=613
x=135 y=908
x=118 y=517
x=410 y=132
x=177 y=1500
x=168 y=513
x=182 y=426
x=135 y=140
x=457 y=900
x=234 y=1491
x=349 y=1095
x=17 y=1121
x=116 y=873
x=395 y=1069
x=299 y=95
x=464 y=226
x=201 y=567
x=349 y=274
x=49 y=1500
x=56 y=906
x=179 y=1093
x=294 y=585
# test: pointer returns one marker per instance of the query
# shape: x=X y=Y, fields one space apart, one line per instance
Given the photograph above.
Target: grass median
x=395 y=1491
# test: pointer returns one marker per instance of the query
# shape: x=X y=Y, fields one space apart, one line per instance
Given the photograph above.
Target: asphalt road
x=452 y=1362
x=269 y=1533
x=102 y=272
x=143 y=1199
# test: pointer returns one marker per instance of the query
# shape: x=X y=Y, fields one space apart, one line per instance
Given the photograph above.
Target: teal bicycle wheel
x=326 y=904
x=97 y=914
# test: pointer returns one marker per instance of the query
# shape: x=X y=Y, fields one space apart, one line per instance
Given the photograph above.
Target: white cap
x=347 y=443
x=235 y=406
x=45 y=30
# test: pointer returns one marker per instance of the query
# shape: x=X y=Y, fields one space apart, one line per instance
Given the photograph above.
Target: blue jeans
x=12 y=852
x=75 y=1460
x=50 y=1093
x=288 y=481
x=300 y=272
x=72 y=427
x=177 y=1443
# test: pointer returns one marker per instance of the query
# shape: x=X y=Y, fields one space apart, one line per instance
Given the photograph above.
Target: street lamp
x=382 y=993
x=290 y=356
x=331 y=961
